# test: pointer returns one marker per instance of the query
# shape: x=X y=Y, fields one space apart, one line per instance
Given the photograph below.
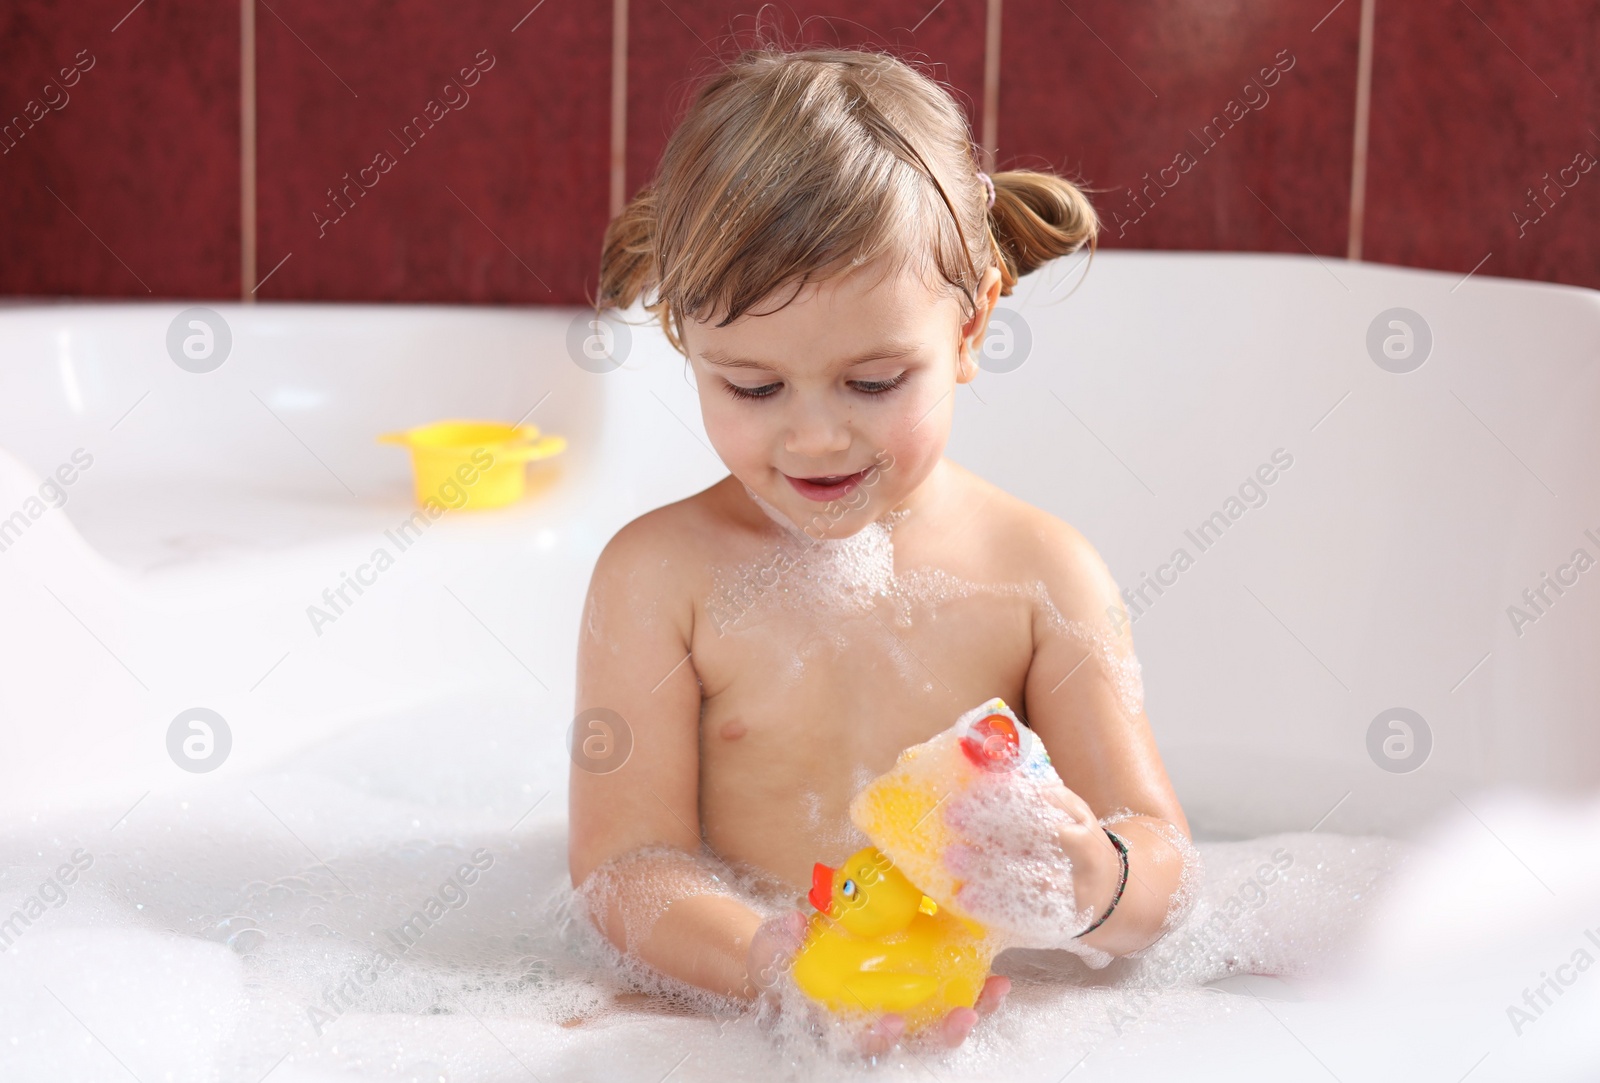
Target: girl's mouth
x=831 y=487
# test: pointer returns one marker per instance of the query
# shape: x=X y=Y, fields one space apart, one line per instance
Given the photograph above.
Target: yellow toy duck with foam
x=878 y=943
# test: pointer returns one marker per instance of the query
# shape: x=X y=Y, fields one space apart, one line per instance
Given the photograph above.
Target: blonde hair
x=795 y=165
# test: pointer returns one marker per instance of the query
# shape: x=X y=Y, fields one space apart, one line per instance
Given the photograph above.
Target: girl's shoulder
x=1021 y=531
x=713 y=512
x=1034 y=545
x=674 y=544
x=652 y=570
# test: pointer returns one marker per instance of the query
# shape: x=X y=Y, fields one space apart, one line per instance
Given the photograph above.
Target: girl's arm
x=1094 y=725
x=634 y=845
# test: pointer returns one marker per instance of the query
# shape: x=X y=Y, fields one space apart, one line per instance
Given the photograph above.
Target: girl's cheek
x=728 y=430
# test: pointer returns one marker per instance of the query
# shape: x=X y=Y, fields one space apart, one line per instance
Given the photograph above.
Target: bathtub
x=1380 y=480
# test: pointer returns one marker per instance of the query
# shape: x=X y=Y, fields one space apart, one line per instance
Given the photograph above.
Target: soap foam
x=983 y=839
x=630 y=893
x=1286 y=905
x=1014 y=875
x=1190 y=876
x=1282 y=905
x=830 y=580
x=204 y=932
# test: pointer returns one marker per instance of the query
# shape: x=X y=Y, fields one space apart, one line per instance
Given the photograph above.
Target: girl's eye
x=880 y=387
x=750 y=392
x=874 y=387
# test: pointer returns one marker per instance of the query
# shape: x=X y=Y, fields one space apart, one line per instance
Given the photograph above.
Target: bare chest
x=817 y=669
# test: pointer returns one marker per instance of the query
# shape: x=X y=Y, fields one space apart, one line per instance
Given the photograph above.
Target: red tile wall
x=127 y=185
x=1472 y=107
x=1122 y=94
x=501 y=198
x=505 y=198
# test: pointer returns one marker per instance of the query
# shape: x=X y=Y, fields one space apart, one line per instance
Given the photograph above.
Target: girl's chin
x=786 y=502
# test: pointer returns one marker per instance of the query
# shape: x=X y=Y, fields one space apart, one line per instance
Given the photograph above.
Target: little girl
x=826 y=256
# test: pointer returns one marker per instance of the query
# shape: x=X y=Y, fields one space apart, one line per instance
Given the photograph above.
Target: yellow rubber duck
x=877 y=944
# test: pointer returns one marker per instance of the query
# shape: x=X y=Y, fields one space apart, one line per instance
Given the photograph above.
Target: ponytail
x=1037 y=217
x=627 y=255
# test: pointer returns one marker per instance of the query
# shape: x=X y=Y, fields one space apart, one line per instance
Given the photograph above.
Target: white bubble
x=1190 y=877
x=630 y=893
x=1015 y=878
x=826 y=581
x=139 y=947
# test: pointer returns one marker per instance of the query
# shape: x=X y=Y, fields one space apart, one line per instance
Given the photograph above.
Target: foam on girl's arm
x=1164 y=876
x=1017 y=877
x=1084 y=696
x=678 y=923
x=641 y=871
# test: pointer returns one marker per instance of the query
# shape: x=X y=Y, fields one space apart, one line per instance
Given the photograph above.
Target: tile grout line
x=619 y=105
x=991 y=87
x=1358 y=156
x=247 y=151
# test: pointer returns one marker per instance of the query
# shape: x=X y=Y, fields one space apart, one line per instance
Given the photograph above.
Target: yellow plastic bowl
x=473 y=464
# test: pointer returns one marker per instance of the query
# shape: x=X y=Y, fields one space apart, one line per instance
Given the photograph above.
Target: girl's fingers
x=1070 y=803
x=793 y=928
x=954 y=1027
x=950 y=1031
x=958 y=858
x=881 y=1036
x=993 y=994
x=774 y=945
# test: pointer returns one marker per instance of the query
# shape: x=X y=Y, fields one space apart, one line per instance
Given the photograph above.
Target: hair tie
x=987 y=183
x=1122 y=850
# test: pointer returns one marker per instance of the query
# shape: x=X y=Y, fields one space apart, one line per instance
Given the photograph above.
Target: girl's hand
x=773 y=947
x=948 y=1033
x=1035 y=862
x=771 y=956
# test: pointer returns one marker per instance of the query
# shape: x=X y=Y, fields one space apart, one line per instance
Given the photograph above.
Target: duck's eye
x=848 y=889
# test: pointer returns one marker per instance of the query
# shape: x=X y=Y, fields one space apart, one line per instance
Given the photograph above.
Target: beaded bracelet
x=1122 y=850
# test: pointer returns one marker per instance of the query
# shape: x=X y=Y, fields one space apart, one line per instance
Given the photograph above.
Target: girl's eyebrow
x=891 y=350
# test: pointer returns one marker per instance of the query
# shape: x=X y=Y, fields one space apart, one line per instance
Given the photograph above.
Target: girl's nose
x=816 y=431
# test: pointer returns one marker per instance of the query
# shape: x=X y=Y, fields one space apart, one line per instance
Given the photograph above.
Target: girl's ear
x=973 y=331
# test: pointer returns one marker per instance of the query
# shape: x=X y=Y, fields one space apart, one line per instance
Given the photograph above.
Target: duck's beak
x=821 y=888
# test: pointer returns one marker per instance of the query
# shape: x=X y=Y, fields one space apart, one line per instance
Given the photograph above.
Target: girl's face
x=855 y=376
